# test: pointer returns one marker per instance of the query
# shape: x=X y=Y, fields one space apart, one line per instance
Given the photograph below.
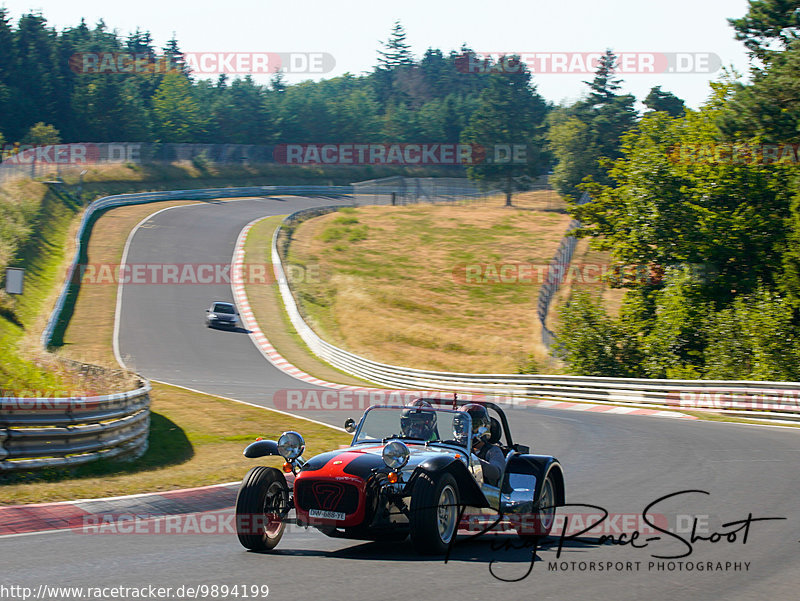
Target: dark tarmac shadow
x=484 y=549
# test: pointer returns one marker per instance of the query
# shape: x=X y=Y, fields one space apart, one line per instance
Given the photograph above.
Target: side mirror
x=350 y=425
x=206 y=310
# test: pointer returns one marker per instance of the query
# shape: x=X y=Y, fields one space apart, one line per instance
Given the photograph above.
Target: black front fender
x=261 y=448
x=469 y=491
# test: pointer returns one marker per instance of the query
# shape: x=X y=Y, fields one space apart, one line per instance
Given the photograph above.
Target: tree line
x=47 y=97
x=708 y=202
x=402 y=99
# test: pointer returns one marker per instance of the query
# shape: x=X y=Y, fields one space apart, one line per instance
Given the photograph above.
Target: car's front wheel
x=544 y=513
x=261 y=508
x=434 y=512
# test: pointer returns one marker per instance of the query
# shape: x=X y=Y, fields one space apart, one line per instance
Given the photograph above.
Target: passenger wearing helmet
x=490 y=455
x=419 y=421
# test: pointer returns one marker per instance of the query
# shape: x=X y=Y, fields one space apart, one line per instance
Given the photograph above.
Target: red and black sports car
x=409 y=471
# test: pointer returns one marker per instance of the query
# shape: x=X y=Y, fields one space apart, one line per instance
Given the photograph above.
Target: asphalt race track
x=619 y=463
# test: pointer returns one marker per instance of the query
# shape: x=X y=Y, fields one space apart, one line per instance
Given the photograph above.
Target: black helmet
x=481 y=424
x=418 y=421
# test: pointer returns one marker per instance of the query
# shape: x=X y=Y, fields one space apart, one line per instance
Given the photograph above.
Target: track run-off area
x=718 y=478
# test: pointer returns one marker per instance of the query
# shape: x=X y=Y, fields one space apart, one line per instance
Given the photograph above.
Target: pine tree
x=141 y=43
x=396 y=52
x=277 y=82
x=604 y=85
x=7 y=62
x=590 y=130
x=174 y=57
x=6 y=46
x=508 y=125
x=767 y=22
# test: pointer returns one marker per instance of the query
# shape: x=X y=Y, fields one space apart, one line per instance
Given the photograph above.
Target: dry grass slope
x=389 y=290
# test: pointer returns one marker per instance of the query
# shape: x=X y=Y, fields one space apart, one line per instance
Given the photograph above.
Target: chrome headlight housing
x=291 y=445
x=395 y=454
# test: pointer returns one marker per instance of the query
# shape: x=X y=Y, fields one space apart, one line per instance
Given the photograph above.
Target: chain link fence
x=399 y=190
x=555 y=276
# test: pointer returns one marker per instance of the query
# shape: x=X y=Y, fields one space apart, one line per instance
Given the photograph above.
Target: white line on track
x=118 y=309
x=227 y=398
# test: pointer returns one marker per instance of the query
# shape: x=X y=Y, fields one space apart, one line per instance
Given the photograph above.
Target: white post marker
x=15 y=280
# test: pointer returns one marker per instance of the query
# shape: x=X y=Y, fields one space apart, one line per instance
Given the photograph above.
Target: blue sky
x=351 y=31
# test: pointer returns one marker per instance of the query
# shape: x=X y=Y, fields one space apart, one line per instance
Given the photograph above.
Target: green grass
x=344 y=228
x=41 y=253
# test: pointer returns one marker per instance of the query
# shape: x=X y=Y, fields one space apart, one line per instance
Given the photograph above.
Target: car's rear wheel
x=261 y=508
x=544 y=513
x=434 y=512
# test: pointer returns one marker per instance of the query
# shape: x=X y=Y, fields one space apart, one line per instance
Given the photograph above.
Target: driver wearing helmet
x=490 y=455
x=419 y=421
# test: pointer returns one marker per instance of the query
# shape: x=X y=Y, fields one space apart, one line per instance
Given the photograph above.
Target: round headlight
x=395 y=454
x=291 y=445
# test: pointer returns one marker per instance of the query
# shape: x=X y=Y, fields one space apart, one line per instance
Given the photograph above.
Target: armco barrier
x=37 y=433
x=774 y=400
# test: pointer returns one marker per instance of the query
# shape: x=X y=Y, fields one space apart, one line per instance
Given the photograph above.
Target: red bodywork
x=329 y=489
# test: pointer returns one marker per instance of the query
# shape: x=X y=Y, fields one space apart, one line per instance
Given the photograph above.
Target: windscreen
x=415 y=424
x=220 y=308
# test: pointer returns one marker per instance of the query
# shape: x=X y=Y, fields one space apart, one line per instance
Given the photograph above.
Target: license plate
x=326 y=515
